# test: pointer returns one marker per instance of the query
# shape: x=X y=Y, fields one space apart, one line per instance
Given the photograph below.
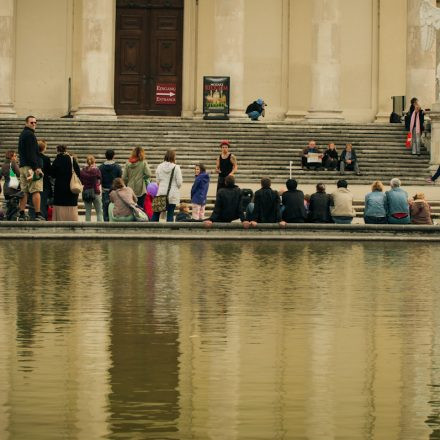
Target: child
x=199 y=191
x=183 y=215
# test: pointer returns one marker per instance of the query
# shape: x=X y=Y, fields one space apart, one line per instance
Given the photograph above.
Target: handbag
x=13 y=180
x=160 y=203
x=408 y=140
x=138 y=214
x=75 y=184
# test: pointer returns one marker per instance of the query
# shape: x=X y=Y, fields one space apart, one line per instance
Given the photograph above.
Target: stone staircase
x=262 y=149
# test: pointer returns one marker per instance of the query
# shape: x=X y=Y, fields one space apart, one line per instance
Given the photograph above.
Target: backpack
x=395 y=118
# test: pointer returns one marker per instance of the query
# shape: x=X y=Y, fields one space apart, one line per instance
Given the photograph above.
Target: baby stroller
x=12 y=206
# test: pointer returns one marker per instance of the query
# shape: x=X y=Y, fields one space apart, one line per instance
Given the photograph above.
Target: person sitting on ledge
x=420 y=210
x=319 y=208
x=266 y=204
x=375 y=205
x=349 y=161
x=330 y=159
x=341 y=204
x=397 y=204
x=293 y=203
x=228 y=204
x=313 y=160
x=183 y=215
x=256 y=109
x=122 y=198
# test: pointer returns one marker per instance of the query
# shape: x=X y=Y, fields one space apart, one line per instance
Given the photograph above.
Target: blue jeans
x=370 y=220
x=343 y=220
x=399 y=221
x=170 y=214
x=97 y=203
x=254 y=115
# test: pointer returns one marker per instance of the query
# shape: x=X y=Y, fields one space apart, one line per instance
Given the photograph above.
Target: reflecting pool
x=219 y=340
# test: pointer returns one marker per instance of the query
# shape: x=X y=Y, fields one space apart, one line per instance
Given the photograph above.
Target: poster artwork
x=215 y=94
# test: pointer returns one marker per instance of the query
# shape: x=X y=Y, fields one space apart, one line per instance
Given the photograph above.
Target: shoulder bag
x=160 y=203
x=13 y=180
x=75 y=184
x=138 y=214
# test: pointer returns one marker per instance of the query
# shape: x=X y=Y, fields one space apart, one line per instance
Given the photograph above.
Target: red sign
x=166 y=93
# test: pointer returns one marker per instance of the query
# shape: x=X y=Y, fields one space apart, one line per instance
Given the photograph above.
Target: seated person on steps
x=311 y=157
x=349 y=161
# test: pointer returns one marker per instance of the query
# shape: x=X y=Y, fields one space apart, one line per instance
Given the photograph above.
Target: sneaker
x=22 y=218
x=39 y=218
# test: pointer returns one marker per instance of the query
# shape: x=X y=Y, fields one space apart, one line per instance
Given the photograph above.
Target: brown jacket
x=420 y=212
x=128 y=197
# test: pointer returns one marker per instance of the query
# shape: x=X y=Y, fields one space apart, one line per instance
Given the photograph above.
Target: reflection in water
x=216 y=340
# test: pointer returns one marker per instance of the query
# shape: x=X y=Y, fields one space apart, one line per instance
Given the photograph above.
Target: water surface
x=217 y=340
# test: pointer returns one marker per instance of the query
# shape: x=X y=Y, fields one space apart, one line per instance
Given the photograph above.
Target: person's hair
x=229 y=181
x=307 y=197
x=61 y=148
x=29 y=117
x=109 y=154
x=202 y=167
x=377 y=186
x=419 y=196
x=341 y=183
x=413 y=100
x=10 y=154
x=291 y=184
x=348 y=145
x=90 y=160
x=183 y=207
x=332 y=143
x=320 y=187
x=118 y=183
x=170 y=156
x=138 y=152
x=265 y=182
x=395 y=182
x=42 y=145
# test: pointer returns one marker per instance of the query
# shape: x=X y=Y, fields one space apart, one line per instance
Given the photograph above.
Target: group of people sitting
x=292 y=206
x=313 y=158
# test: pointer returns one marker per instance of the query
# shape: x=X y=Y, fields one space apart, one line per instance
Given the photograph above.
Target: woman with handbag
x=169 y=179
x=136 y=174
x=91 y=195
x=11 y=188
x=65 y=202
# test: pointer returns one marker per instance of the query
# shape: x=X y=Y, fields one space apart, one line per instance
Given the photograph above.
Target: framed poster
x=216 y=96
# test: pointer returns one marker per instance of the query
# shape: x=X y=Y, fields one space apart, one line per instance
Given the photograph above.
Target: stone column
x=435 y=136
x=326 y=64
x=420 y=61
x=97 y=59
x=7 y=52
x=229 y=49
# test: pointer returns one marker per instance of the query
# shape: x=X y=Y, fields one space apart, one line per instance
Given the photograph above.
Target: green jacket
x=135 y=175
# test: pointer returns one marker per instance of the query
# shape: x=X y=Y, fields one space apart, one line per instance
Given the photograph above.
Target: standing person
x=319 y=207
x=294 y=210
x=31 y=174
x=256 y=109
x=226 y=164
x=199 y=192
x=91 y=180
x=169 y=179
x=341 y=203
x=136 y=174
x=397 y=205
x=110 y=170
x=47 y=193
x=10 y=167
x=267 y=207
x=349 y=160
x=375 y=211
x=330 y=159
x=416 y=128
x=65 y=203
x=420 y=210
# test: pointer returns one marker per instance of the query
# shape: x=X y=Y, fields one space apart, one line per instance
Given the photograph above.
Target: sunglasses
x=33 y=123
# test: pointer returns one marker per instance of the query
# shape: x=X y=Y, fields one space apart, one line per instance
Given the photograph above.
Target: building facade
x=309 y=59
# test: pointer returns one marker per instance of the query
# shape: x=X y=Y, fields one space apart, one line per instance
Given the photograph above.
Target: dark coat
x=408 y=119
x=109 y=172
x=199 y=190
x=228 y=206
x=47 y=170
x=353 y=155
x=254 y=107
x=294 y=209
x=330 y=154
x=62 y=173
x=28 y=149
x=266 y=206
x=319 y=208
x=8 y=192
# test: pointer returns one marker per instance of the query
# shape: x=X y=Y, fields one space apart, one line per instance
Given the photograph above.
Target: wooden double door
x=148 y=65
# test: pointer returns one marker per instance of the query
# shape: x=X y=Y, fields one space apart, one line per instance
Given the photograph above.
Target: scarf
x=415 y=120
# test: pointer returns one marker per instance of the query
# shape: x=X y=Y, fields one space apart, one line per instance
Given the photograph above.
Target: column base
x=293 y=115
x=324 y=116
x=7 y=111
x=382 y=118
x=93 y=112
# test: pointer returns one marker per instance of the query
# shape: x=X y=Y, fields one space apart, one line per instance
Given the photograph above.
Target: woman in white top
x=164 y=173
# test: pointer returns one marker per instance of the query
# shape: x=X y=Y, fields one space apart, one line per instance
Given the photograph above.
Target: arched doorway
x=148 y=61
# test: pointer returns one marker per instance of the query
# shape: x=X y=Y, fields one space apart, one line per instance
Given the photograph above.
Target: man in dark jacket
x=31 y=181
x=228 y=204
x=256 y=109
x=266 y=204
x=349 y=161
x=319 y=207
x=110 y=170
x=293 y=203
